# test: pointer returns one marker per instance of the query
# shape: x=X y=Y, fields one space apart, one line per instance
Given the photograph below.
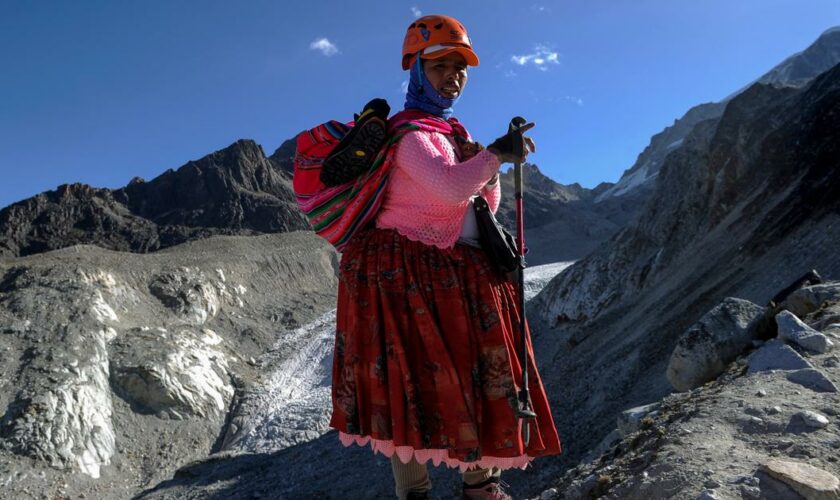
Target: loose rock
x=811 y=419
x=809 y=299
x=794 y=330
x=807 y=480
x=812 y=379
x=751 y=492
x=776 y=355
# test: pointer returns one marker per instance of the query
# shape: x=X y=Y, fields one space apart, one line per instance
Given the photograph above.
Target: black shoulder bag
x=495 y=240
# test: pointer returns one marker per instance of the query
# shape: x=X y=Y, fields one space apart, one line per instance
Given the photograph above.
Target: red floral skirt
x=425 y=360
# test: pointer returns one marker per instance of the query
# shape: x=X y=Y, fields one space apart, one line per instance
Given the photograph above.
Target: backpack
x=338 y=212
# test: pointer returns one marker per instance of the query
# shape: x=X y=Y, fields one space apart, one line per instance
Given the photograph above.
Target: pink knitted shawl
x=429 y=190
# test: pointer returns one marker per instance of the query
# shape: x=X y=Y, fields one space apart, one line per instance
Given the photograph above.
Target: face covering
x=421 y=95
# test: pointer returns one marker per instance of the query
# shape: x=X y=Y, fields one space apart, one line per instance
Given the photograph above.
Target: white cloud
x=325 y=46
x=521 y=60
x=540 y=8
x=416 y=11
x=541 y=57
x=404 y=87
x=576 y=100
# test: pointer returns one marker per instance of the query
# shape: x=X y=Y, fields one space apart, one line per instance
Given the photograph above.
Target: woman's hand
x=470 y=149
x=514 y=147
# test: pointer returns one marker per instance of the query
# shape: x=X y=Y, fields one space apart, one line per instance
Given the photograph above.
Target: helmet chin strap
x=422 y=95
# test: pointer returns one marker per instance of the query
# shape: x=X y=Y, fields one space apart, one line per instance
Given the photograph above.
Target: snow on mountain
x=291 y=405
x=629 y=182
x=538 y=276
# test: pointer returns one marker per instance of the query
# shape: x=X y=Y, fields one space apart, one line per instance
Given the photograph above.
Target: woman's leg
x=484 y=484
x=477 y=476
x=412 y=476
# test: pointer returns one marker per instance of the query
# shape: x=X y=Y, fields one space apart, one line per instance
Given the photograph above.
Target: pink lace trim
x=437 y=457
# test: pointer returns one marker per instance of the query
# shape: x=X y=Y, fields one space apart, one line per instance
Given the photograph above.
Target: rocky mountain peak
x=284 y=156
x=235 y=190
x=799 y=68
x=538 y=183
x=795 y=71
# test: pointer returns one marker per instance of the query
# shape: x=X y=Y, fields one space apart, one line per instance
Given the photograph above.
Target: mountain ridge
x=235 y=190
x=795 y=71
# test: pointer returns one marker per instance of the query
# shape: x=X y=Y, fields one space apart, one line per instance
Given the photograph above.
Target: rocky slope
x=117 y=368
x=745 y=206
x=235 y=190
x=765 y=426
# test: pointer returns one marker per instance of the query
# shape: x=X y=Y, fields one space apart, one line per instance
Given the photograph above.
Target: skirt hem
x=437 y=456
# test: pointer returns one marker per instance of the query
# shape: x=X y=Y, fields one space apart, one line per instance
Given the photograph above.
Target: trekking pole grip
x=516 y=123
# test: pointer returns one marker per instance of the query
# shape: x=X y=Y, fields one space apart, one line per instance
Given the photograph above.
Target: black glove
x=510 y=147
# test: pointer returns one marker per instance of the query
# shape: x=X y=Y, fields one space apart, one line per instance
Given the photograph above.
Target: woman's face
x=447 y=74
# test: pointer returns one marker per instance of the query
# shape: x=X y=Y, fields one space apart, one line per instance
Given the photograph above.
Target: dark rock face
x=563 y=222
x=747 y=204
x=235 y=190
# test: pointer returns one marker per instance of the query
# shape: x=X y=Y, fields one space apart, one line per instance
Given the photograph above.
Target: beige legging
x=414 y=476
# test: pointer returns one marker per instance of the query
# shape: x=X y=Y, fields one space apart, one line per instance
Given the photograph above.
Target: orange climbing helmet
x=436 y=36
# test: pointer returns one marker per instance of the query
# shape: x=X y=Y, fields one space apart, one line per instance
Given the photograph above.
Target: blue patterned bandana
x=421 y=95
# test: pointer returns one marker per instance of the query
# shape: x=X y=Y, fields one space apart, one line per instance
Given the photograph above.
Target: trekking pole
x=524 y=411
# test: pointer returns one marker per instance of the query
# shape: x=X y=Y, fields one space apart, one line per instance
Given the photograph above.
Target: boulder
x=811 y=419
x=810 y=278
x=812 y=379
x=708 y=346
x=794 y=330
x=807 y=480
x=775 y=355
x=809 y=299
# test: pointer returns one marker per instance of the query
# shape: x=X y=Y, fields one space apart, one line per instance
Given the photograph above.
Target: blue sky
x=102 y=91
